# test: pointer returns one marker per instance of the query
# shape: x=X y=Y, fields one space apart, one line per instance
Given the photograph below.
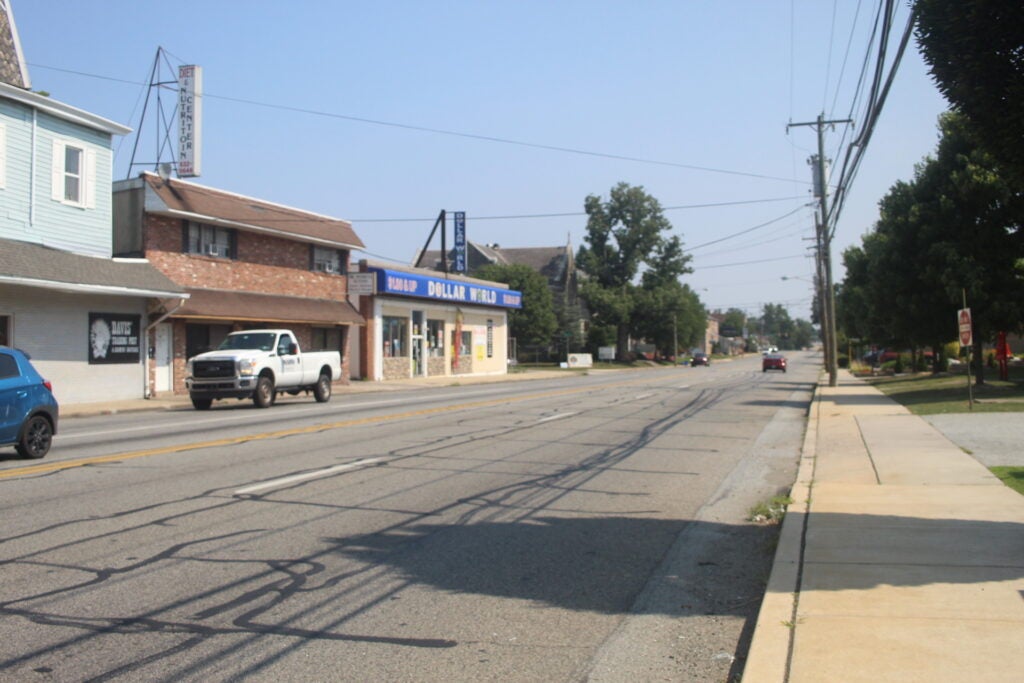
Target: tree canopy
x=974 y=52
x=632 y=269
x=535 y=323
x=955 y=230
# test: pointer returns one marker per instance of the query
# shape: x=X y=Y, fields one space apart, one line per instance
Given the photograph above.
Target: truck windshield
x=264 y=341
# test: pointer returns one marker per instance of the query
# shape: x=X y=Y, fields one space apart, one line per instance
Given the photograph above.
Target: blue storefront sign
x=460 y=242
x=439 y=289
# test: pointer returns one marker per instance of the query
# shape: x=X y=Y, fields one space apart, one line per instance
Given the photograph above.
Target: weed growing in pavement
x=771 y=511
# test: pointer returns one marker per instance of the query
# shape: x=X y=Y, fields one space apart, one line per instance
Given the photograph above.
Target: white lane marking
x=640 y=396
x=549 y=418
x=684 y=386
x=284 y=481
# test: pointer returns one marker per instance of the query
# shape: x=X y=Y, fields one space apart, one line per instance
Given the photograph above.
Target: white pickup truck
x=257 y=364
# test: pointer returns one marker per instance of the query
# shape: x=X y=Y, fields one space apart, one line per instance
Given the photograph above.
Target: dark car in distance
x=773 y=361
x=28 y=410
x=700 y=358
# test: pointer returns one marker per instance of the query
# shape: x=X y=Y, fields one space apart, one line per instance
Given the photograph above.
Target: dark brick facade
x=264 y=264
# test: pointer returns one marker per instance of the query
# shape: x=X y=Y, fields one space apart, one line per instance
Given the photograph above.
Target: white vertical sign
x=190 y=121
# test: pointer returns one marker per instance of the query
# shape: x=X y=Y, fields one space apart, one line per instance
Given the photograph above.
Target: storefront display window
x=435 y=338
x=395 y=334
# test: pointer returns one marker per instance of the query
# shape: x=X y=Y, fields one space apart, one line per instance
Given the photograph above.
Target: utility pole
x=831 y=349
x=675 y=341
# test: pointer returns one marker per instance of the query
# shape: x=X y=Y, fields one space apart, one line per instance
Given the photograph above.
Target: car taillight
x=46 y=383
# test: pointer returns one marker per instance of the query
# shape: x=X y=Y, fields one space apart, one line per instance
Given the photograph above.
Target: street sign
x=963 y=318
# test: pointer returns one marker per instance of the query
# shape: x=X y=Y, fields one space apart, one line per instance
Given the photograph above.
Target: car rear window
x=8 y=366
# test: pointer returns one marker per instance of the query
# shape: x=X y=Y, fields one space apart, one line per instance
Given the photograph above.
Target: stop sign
x=963 y=317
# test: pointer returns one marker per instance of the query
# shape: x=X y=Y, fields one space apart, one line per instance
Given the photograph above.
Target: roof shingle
x=180 y=197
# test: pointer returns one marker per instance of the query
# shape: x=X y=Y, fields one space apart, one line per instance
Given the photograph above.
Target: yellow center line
x=57 y=466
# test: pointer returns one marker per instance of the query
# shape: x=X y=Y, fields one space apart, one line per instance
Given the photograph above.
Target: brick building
x=245 y=263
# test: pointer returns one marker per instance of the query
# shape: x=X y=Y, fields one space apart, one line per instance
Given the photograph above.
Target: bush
x=843 y=361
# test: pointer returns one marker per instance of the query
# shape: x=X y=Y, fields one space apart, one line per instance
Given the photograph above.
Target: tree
x=535 y=323
x=973 y=50
x=955 y=229
x=671 y=317
x=734 y=322
x=625 y=234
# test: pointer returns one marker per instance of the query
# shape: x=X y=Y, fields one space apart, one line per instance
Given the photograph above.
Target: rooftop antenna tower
x=176 y=95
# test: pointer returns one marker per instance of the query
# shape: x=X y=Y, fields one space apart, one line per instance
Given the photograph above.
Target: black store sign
x=114 y=338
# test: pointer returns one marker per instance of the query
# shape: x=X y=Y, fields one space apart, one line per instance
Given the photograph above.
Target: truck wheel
x=322 y=389
x=202 y=403
x=35 y=439
x=264 y=395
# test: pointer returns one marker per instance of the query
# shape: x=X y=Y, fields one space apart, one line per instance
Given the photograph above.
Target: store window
x=435 y=338
x=203 y=338
x=5 y=330
x=209 y=240
x=490 y=339
x=395 y=333
x=326 y=339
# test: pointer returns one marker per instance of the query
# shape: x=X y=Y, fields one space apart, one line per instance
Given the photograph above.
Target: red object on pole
x=1003 y=354
x=964 y=323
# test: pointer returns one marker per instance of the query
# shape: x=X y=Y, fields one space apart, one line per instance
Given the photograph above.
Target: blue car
x=28 y=410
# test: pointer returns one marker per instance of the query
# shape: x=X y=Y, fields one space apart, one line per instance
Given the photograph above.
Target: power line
x=569 y=214
x=749 y=263
x=748 y=230
x=452 y=133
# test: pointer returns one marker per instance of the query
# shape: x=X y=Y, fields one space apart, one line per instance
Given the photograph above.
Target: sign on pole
x=190 y=121
x=460 y=242
x=963 y=318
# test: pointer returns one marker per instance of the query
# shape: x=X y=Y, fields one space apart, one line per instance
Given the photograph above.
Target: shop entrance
x=419 y=366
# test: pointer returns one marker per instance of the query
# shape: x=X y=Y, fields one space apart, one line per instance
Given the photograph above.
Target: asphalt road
x=587 y=528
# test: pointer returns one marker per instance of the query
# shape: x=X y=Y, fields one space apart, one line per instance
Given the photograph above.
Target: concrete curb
x=768 y=659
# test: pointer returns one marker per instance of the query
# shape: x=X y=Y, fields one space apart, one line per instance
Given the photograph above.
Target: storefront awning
x=218 y=304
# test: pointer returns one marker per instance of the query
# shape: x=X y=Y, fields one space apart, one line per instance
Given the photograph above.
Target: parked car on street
x=700 y=358
x=773 y=361
x=28 y=410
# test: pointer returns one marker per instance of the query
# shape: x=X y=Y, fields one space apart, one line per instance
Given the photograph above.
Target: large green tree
x=627 y=235
x=974 y=52
x=955 y=230
x=535 y=323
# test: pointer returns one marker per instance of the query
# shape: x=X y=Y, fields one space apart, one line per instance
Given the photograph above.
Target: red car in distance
x=773 y=361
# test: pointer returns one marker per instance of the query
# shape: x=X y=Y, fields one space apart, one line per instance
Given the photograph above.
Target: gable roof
x=551 y=262
x=13 y=70
x=181 y=199
x=33 y=265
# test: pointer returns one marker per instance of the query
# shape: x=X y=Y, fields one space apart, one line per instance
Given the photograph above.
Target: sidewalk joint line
x=871 y=458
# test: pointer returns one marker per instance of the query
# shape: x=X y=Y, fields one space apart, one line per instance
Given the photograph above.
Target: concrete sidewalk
x=901 y=559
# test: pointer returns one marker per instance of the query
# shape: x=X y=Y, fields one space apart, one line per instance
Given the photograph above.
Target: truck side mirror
x=293 y=348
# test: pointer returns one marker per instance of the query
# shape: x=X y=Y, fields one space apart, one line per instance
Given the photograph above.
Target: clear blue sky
x=696 y=85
